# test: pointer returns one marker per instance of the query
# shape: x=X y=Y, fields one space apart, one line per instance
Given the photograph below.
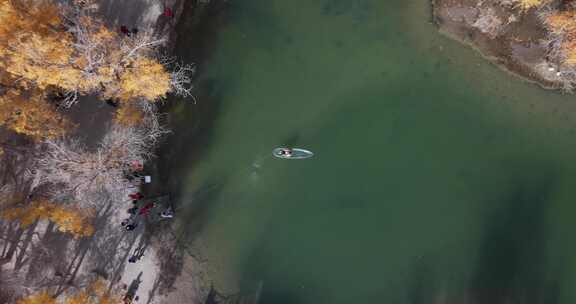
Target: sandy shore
x=515 y=45
x=149 y=275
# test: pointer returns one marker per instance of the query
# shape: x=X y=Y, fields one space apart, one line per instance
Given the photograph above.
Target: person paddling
x=286 y=152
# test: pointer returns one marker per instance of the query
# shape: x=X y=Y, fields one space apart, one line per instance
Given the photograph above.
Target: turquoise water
x=437 y=178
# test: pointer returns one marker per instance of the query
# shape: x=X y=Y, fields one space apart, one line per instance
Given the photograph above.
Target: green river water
x=437 y=178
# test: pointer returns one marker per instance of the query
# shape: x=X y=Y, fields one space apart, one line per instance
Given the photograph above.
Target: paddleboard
x=296 y=153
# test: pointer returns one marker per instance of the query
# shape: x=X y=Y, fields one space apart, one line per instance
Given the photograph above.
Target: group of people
x=128 y=32
x=131 y=222
x=137 y=255
x=136 y=211
x=134 y=31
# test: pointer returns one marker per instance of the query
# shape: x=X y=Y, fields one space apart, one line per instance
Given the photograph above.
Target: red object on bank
x=136 y=196
x=124 y=30
x=146 y=208
x=168 y=12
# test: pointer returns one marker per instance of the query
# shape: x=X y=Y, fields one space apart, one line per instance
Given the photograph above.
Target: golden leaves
x=563 y=24
x=38 y=298
x=142 y=78
x=95 y=293
x=37 y=49
x=25 y=16
x=128 y=115
x=27 y=215
x=528 y=4
x=45 y=61
x=31 y=115
x=69 y=220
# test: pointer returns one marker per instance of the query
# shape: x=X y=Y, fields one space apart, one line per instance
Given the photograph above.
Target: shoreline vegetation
x=531 y=39
x=65 y=179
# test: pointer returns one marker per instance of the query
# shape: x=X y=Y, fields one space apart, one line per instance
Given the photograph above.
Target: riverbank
x=182 y=264
x=192 y=40
x=511 y=39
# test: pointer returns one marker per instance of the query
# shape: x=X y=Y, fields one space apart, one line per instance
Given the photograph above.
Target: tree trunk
x=35 y=263
x=29 y=235
x=11 y=227
x=13 y=245
x=67 y=281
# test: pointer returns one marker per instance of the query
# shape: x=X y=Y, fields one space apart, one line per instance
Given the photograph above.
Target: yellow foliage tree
x=17 y=16
x=68 y=220
x=38 y=52
x=129 y=115
x=95 y=293
x=528 y=4
x=81 y=57
x=36 y=48
x=38 y=298
x=28 y=214
x=563 y=24
x=142 y=78
x=31 y=115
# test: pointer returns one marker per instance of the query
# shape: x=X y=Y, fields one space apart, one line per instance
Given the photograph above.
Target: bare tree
x=89 y=176
x=180 y=76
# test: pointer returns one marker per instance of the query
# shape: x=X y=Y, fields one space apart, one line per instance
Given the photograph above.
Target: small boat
x=295 y=153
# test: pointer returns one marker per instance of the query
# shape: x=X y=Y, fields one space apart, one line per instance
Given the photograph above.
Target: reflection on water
x=439 y=178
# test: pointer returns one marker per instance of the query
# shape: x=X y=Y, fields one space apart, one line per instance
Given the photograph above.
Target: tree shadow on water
x=195 y=213
x=292 y=140
x=512 y=266
x=422 y=285
x=191 y=138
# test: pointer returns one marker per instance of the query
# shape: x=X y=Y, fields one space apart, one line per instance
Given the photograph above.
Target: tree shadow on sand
x=173 y=245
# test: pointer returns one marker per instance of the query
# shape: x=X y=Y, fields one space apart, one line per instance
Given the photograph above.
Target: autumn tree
x=35 y=49
x=76 y=53
x=129 y=115
x=562 y=28
x=29 y=114
x=68 y=219
x=94 y=293
x=34 y=55
x=125 y=68
x=525 y=5
x=561 y=43
x=38 y=298
x=140 y=78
